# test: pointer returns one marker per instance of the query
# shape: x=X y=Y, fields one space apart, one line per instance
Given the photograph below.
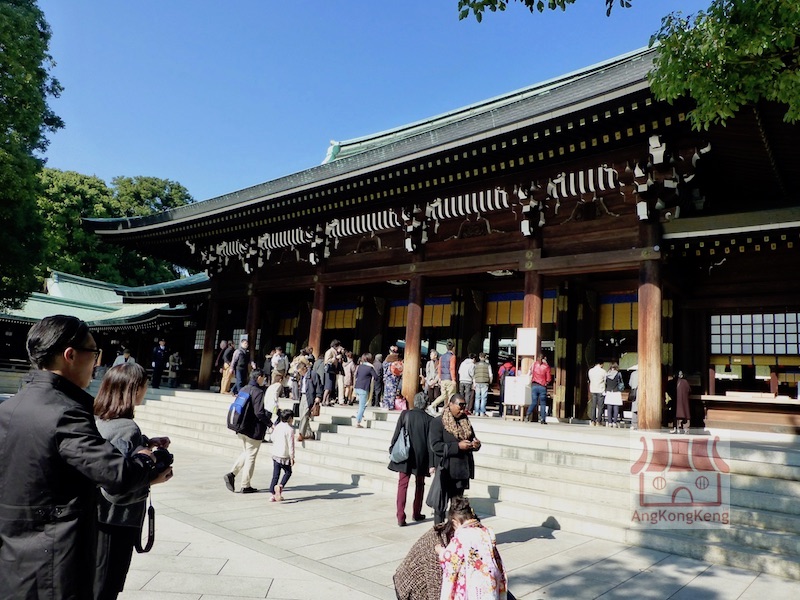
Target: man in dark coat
x=257 y=420
x=452 y=442
x=160 y=358
x=53 y=459
x=377 y=389
x=310 y=391
x=420 y=461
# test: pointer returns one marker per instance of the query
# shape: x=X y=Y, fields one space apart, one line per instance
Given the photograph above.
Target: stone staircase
x=569 y=477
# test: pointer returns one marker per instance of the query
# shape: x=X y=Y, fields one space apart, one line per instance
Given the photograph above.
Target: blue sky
x=221 y=95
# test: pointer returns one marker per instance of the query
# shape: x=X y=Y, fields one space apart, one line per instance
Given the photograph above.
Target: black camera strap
x=151 y=529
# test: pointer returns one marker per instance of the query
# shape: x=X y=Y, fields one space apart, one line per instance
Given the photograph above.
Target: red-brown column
x=209 y=348
x=252 y=321
x=532 y=311
x=317 y=319
x=411 y=357
x=649 y=342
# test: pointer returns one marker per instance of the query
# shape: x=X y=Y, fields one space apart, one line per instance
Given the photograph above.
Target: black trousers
x=114 y=551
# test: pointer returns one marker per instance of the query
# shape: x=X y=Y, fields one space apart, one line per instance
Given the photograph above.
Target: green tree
x=142 y=196
x=735 y=53
x=68 y=197
x=25 y=119
x=477 y=7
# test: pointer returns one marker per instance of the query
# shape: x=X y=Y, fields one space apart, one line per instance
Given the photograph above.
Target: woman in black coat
x=419 y=462
x=452 y=442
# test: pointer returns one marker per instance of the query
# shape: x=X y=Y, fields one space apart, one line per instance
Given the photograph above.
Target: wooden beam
x=595 y=262
x=518 y=260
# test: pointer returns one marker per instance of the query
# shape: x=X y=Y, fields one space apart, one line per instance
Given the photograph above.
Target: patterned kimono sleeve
x=453 y=576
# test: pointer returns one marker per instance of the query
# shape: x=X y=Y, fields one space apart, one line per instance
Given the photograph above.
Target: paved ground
x=332 y=541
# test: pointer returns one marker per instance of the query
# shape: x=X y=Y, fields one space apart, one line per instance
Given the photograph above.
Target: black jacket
x=420 y=459
x=315 y=387
x=53 y=459
x=459 y=464
x=257 y=419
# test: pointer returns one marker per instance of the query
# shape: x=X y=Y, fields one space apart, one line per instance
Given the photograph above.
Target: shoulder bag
x=401 y=448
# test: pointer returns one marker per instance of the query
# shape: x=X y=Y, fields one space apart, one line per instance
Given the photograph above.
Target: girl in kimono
x=471 y=565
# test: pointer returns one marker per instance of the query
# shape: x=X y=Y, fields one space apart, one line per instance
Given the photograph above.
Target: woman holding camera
x=120 y=516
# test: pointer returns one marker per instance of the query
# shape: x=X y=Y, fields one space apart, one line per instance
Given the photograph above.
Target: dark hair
x=119 y=390
x=460 y=510
x=254 y=375
x=51 y=336
x=456 y=397
x=286 y=414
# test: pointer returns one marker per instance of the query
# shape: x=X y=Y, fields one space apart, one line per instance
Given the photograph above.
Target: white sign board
x=517 y=391
x=526 y=341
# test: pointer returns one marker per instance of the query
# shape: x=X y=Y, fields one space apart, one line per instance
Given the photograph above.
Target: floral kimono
x=472 y=569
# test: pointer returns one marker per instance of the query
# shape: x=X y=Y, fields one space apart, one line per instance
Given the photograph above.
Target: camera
x=163 y=459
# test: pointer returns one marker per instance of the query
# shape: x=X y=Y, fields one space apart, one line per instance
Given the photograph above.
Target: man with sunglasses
x=452 y=441
x=53 y=459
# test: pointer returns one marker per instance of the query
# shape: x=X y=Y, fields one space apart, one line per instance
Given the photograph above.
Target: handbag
x=401 y=448
x=436 y=498
x=315 y=409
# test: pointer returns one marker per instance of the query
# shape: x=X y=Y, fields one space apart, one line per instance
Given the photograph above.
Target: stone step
x=549 y=475
x=516 y=460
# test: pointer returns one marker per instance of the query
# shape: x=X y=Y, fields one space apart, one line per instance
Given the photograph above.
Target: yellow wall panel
x=490 y=314
x=548 y=310
x=606 y=317
x=622 y=316
x=515 y=316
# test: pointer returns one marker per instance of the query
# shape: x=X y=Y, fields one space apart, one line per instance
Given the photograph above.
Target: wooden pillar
x=532 y=311
x=411 y=357
x=252 y=321
x=650 y=393
x=204 y=377
x=564 y=355
x=317 y=319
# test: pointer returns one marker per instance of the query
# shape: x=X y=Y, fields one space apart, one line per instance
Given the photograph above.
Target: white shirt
x=283 y=441
x=120 y=360
x=271 y=398
x=597 y=380
x=466 y=371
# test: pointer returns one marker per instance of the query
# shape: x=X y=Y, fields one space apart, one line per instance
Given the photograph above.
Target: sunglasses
x=462 y=404
x=95 y=351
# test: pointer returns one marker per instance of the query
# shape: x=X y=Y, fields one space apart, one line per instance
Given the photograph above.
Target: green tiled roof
x=100 y=303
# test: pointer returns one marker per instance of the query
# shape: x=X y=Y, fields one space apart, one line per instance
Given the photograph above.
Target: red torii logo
x=680 y=472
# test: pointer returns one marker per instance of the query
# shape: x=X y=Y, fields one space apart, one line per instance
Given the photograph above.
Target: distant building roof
x=102 y=304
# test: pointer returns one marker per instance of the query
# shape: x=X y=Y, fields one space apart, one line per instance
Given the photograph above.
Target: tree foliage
x=25 y=119
x=68 y=197
x=735 y=53
x=477 y=7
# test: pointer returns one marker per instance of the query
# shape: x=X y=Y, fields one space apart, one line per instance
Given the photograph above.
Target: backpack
x=238 y=411
x=396 y=368
x=510 y=372
x=282 y=364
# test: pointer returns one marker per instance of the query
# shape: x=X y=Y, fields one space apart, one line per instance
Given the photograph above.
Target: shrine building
x=581 y=206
